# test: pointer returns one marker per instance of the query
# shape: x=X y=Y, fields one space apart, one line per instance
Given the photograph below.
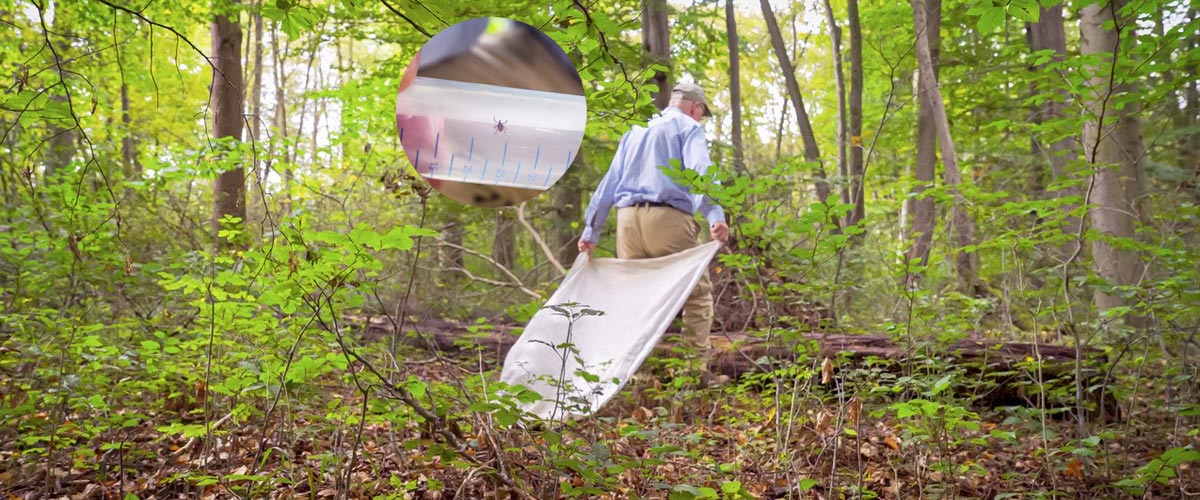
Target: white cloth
x=639 y=298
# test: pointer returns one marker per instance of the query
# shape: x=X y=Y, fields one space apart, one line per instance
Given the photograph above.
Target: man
x=654 y=214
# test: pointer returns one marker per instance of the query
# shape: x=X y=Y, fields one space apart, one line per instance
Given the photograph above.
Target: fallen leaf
x=1074 y=469
x=892 y=442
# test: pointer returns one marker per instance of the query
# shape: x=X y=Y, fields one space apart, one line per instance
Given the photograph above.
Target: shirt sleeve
x=695 y=157
x=602 y=200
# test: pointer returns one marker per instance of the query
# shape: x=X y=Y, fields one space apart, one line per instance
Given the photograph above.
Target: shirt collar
x=672 y=109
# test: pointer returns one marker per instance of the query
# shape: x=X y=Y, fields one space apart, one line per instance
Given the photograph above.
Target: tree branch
x=537 y=238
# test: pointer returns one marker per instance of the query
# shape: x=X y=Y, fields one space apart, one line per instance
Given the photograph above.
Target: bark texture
x=735 y=88
x=227 y=95
x=857 y=173
x=1112 y=144
x=922 y=209
x=656 y=47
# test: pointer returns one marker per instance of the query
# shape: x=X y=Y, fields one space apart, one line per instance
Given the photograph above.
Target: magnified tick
x=499 y=126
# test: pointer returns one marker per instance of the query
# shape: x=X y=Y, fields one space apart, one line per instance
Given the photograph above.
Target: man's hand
x=720 y=232
x=587 y=247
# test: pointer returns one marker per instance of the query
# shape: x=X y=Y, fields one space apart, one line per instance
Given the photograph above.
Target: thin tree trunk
x=281 y=124
x=229 y=191
x=811 y=152
x=256 y=115
x=1189 y=144
x=735 y=88
x=504 y=242
x=783 y=114
x=656 y=47
x=835 y=40
x=1049 y=34
x=1113 y=146
x=967 y=262
x=923 y=208
x=453 y=255
x=857 y=175
x=568 y=199
x=62 y=141
x=129 y=164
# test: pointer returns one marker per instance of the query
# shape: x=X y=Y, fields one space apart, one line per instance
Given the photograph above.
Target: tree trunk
x=281 y=124
x=857 y=175
x=735 y=88
x=453 y=256
x=568 y=199
x=1112 y=143
x=229 y=191
x=656 y=47
x=1189 y=144
x=835 y=40
x=504 y=241
x=62 y=142
x=256 y=115
x=129 y=163
x=923 y=209
x=811 y=153
x=1049 y=34
x=967 y=262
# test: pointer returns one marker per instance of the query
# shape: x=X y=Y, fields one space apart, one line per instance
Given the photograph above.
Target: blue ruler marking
x=504 y=156
x=536 y=155
x=565 y=167
x=481 y=174
x=436 y=140
x=471 y=151
x=451 y=165
x=518 y=172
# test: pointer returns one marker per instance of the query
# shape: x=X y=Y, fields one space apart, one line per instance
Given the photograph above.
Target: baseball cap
x=693 y=92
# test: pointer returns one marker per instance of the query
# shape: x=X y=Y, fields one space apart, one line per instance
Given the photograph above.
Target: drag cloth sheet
x=639 y=298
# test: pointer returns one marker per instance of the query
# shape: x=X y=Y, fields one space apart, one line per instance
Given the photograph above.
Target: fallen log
x=1011 y=366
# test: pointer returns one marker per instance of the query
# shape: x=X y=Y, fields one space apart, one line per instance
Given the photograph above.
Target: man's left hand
x=587 y=247
x=720 y=232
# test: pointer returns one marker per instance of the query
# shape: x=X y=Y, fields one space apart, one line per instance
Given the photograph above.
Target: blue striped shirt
x=635 y=176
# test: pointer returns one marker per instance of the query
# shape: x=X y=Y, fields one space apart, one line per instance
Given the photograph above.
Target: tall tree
x=656 y=46
x=1048 y=33
x=735 y=88
x=1189 y=120
x=839 y=78
x=227 y=95
x=857 y=174
x=811 y=153
x=256 y=105
x=921 y=207
x=1112 y=144
x=966 y=262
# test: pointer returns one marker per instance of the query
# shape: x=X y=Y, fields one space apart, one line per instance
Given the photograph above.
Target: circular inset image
x=491 y=112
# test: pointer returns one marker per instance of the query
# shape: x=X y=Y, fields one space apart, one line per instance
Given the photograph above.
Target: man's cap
x=694 y=93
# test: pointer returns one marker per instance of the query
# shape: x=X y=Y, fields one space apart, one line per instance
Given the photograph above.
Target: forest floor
x=662 y=437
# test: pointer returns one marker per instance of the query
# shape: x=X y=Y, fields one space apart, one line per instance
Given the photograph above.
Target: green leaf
x=991 y=19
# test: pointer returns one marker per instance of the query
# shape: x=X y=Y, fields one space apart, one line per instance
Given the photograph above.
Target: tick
x=499 y=126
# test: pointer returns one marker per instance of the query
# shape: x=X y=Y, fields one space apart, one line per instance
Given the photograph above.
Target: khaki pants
x=647 y=232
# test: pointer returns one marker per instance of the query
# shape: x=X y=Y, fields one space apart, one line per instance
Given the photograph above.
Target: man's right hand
x=720 y=232
x=587 y=247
